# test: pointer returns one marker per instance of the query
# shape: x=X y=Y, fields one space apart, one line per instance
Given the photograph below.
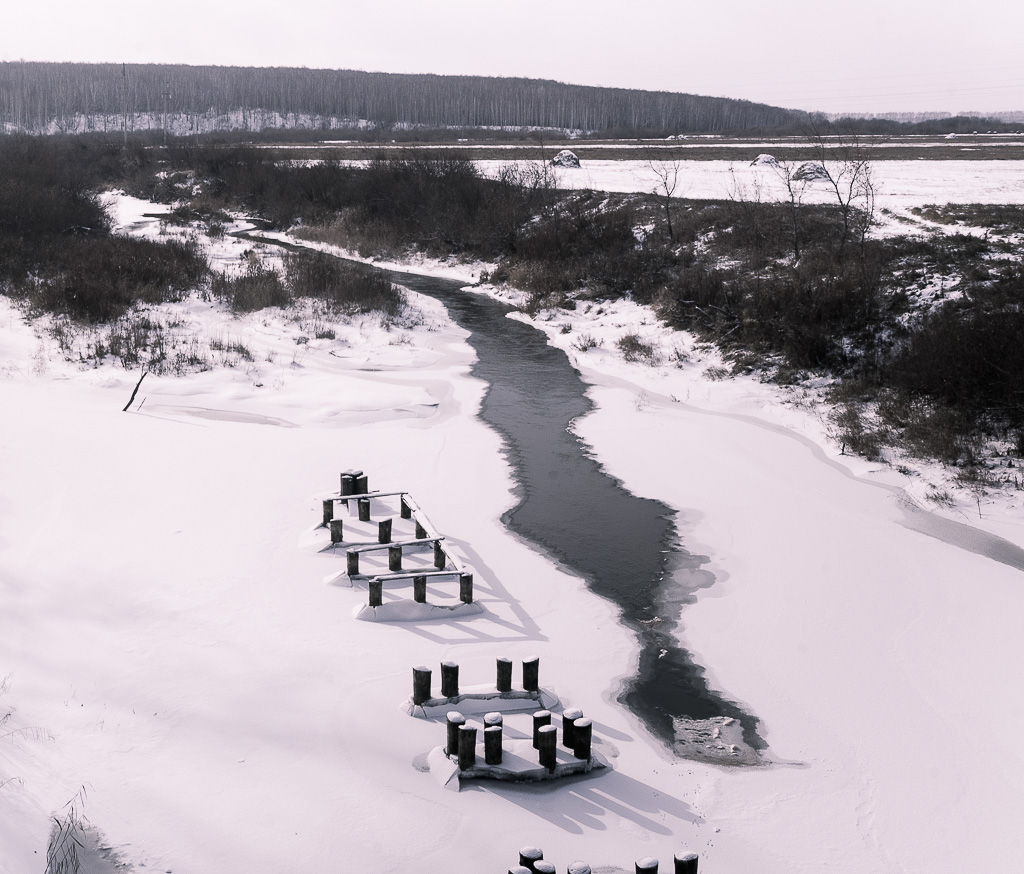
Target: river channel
x=626 y=548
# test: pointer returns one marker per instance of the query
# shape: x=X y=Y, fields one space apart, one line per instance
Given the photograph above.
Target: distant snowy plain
x=168 y=627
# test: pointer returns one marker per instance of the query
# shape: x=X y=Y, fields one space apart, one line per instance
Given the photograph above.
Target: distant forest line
x=41 y=97
x=177 y=99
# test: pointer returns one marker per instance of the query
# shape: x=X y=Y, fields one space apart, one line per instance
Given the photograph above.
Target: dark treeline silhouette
x=51 y=97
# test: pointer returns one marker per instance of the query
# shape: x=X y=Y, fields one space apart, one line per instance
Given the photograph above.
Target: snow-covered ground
x=205 y=694
x=899 y=185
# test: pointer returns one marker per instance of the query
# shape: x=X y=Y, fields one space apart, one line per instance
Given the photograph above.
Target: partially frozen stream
x=624 y=546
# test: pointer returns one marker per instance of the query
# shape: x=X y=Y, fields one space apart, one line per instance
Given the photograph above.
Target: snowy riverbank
x=169 y=631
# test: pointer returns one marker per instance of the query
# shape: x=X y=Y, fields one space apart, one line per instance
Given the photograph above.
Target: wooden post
x=421 y=532
x=504 y=683
x=419 y=590
x=394 y=558
x=376 y=593
x=531 y=675
x=568 y=734
x=685 y=862
x=420 y=684
x=519 y=869
x=440 y=559
x=348 y=485
x=337 y=530
x=466 y=588
x=449 y=679
x=583 y=729
x=384 y=531
x=547 y=742
x=364 y=509
x=492 y=744
x=362 y=485
x=467 y=746
x=647 y=865
x=328 y=511
x=544 y=867
x=578 y=867
x=493 y=718
x=540 y=718
x=352 y=561
x=530 y=856
x=454 y=721
x=405 y=509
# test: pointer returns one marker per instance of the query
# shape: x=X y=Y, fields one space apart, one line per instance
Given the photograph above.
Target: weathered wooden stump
x=384 y=531
x=440 y=559
x=544 y=867
x=530 y=856
x=421 y=532
x=685 y=862
x=504 y=683
x=364 y=509
x=531 y=675
x=467 y=746
x=394 y=558
x=455 y=721
x=578 y=867
x=568 y=733
x=449 y=679
x=328 y=511
x=376 y=593
x=540 y=719
x=518 y=869
x=352 y=562
x=419 y=590
x=362 y=485
x=466 y=588
x=583 y=731
x=492 y=744
x=404 y=509
x=647 y=865
x=420 y=684
x=493 y=718
x=547 y=744
x=337 y=530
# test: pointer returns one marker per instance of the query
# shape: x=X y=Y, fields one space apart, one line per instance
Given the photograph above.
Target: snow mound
x=565 y=158
x=764 y=160
x=809 y=171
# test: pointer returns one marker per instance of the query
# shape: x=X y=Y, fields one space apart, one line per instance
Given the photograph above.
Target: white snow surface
x=899 y=184
x=168 y=632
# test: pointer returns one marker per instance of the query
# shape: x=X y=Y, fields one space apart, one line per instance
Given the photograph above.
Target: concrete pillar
x=531 y=675
x=467 y=746
x=583 y=730
x=337 y=527
x=449 y=679
x=492 y=744
x=685 y=862
x=547 y=745
x=455 y=720
x=568 y=735
x=540 y=718
x=504 y=682
x=420 y=684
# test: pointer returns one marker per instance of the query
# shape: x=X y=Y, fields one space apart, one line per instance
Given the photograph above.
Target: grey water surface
x=625 y=547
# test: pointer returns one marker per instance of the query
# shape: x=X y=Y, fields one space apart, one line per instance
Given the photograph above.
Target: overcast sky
x=883 y=55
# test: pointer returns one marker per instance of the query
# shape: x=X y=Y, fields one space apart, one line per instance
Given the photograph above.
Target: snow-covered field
x=182 y=667
x=899 y=185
